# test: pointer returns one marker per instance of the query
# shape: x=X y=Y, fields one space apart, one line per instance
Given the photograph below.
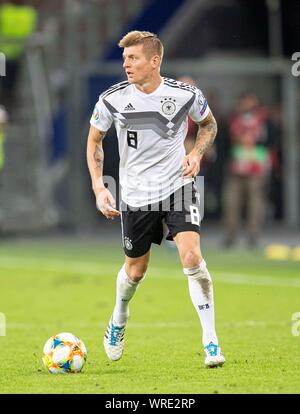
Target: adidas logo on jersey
x=129 y=107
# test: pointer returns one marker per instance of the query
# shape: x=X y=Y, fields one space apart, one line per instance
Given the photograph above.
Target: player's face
x=137 y=65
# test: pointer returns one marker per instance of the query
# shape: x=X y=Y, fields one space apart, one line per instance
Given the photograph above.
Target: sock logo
x=202 y=307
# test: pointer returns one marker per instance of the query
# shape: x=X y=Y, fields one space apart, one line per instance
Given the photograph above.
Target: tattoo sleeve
x=206 y=134
x=99 y=157
x=95 y=157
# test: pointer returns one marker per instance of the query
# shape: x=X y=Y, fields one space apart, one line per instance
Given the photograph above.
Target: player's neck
x=150 y=85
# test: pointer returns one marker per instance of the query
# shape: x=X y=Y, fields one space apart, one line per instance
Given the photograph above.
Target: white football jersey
x=151 y=129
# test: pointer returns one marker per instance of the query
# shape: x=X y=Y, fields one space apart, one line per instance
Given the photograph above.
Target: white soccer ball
x=64 y=353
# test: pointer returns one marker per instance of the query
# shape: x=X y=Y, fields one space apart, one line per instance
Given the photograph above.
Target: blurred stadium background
x=61 y=55
x=59 y=255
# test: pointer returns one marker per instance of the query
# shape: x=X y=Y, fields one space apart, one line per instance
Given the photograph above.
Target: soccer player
x=150 y=114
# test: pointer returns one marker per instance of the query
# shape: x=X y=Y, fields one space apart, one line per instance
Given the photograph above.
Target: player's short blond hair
x=151 y=43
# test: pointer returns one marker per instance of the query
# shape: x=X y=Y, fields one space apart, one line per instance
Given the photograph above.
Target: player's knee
x=136 y=272
x=199 y=271
x=200 y=274
x=191 y=259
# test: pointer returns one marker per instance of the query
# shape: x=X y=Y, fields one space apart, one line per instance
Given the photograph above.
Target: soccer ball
x=64 y=353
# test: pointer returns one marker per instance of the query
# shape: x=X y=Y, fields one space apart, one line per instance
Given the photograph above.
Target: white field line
x=139 y=325
x=94 y=269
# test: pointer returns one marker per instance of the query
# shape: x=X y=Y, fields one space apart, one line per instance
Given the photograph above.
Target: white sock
x=201 y=292
x=125 y=291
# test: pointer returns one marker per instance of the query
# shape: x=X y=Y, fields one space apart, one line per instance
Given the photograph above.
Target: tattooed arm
x=95 y=157
x=95 y=160
x=205 y=137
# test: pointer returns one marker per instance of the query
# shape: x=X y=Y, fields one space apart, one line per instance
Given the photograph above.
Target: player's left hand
x=191 y=165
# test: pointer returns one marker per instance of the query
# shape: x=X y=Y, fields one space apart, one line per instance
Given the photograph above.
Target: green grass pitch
x=55 y=285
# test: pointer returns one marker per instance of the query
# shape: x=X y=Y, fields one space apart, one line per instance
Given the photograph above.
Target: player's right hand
x=106 y=203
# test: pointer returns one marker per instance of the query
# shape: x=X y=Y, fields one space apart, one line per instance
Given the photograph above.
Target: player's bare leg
x=128 y=280
x=201 y=292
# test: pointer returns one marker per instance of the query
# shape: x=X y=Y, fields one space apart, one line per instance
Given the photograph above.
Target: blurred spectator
x=249 y=164
x=17 y=23
x=276 y=178
x=214 y=162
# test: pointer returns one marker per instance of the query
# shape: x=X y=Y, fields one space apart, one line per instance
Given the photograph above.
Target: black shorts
x=142 y=226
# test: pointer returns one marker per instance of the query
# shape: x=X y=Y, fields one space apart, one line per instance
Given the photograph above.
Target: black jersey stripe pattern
x=152 y=120
x=180 y=85
x=114 y=88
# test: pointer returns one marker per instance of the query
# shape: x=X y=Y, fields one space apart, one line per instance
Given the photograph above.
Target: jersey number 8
x=132 y=139
x=195 y=216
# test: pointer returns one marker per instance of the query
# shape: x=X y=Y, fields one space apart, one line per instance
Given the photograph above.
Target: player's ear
x=155 y=61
